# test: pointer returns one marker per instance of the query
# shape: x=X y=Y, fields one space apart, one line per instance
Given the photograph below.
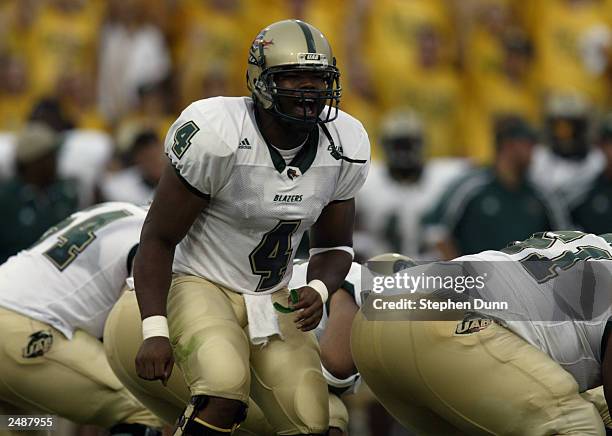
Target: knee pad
x=189 y=424
x=133 y=430
x=221 y=359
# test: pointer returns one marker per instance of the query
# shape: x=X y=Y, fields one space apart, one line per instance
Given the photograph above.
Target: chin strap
x=334 y=150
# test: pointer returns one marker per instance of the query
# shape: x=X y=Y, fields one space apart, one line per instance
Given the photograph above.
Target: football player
x=399 y=191
x=246 y=178
x=567 y=160
x=531 y=369
x=124 y=334
x=54 y=300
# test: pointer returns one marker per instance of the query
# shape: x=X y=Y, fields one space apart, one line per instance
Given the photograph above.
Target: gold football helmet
x=290 y=46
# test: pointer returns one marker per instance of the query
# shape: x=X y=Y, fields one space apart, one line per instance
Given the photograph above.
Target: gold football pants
x=208 y=329
x=43 y=372
x=490 y=382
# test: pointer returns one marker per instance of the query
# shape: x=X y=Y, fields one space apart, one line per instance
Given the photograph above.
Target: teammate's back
x=73 y=275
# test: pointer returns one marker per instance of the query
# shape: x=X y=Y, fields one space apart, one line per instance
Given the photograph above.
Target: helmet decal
x=312 y=58
x=310 y=43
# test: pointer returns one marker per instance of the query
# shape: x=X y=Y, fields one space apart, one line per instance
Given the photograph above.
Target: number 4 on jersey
x=270 y=258
x=183 y=137
x=543 y=269
x=73 y=241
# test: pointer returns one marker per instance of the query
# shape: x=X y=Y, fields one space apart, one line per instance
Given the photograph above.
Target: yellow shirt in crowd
x=568 y=39
x=64 y=41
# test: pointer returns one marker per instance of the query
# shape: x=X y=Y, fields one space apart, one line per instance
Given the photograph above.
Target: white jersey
x=74 y=275
x=259 y=205
x=84 y=156
x=392 y=212
x=352 y=284
x=558 y=286
x=127 y=185
x=553 y=173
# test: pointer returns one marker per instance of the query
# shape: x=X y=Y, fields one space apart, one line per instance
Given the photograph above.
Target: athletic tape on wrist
x=156 y=325
x=320 y=287
x=344 y=248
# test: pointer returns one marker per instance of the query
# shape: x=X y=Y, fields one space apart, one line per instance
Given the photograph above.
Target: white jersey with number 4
x=558 y=287
x=259 y=205
x=73 y=276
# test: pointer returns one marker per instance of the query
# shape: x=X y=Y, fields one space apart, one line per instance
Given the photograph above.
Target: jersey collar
x=305 y=157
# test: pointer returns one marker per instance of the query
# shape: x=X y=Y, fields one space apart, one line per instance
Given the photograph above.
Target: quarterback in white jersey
x=261 y=205
x=246 y=178
x=54 y=300
x=537 y=352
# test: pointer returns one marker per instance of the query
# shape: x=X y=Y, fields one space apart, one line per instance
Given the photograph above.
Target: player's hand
x=154 y=360
x=309 y=308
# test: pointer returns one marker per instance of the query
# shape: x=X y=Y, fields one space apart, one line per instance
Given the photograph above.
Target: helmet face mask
x=569 y=137
x=568 y=125
x=405 y=157
x=293 y=49
x=311 y=101
x=402 y=138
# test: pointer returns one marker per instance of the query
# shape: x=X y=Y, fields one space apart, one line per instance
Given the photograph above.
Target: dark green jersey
x=27 y=212
x=479 y=213
x=593 y=210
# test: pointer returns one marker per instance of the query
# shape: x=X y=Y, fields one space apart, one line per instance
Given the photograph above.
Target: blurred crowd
x=488 y=117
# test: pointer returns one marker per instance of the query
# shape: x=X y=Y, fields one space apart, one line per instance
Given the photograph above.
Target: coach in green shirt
x=490 y=207
x=591 y=205
x=36 y=198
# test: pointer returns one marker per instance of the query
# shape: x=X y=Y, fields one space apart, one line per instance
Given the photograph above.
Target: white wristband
x=347 y=249
x=320 y=287
x=156 y=325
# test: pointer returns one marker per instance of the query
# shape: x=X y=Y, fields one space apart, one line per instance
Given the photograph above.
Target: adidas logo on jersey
x=244 y=144
x=280 y=198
